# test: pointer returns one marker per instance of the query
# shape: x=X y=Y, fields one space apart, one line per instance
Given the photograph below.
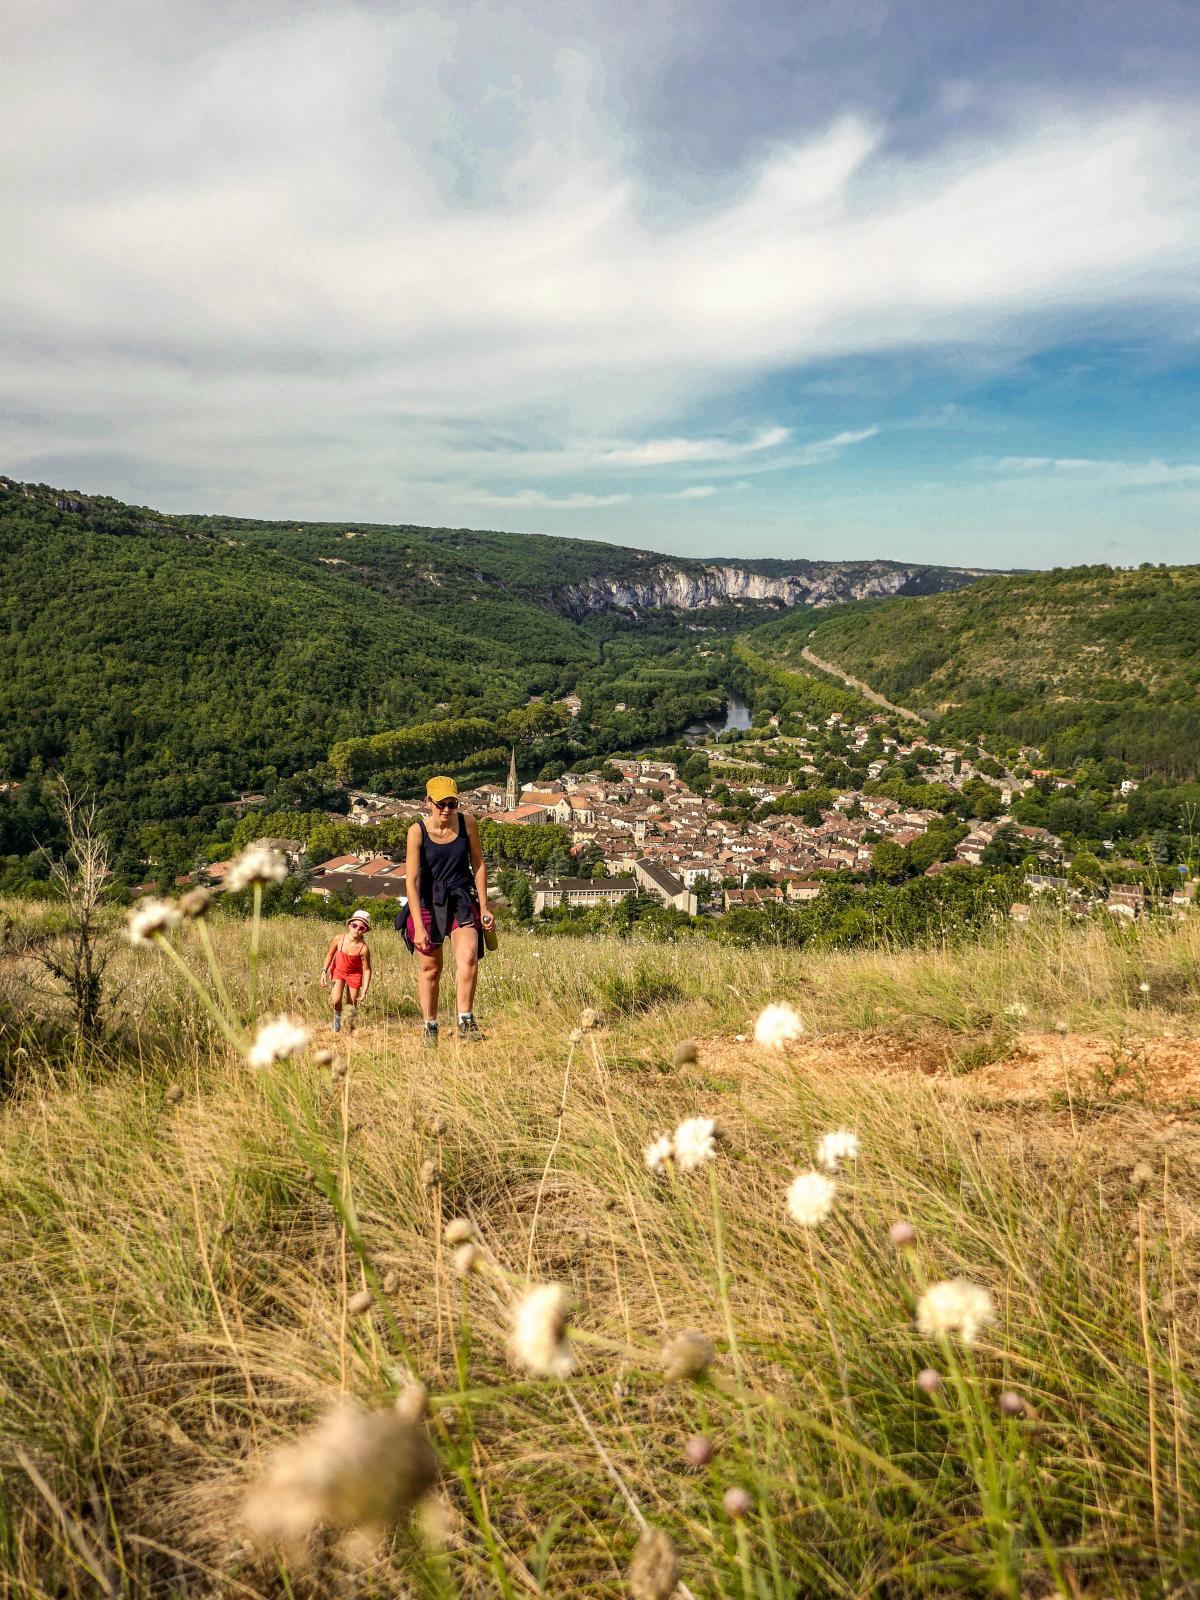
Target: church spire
x=510 y=794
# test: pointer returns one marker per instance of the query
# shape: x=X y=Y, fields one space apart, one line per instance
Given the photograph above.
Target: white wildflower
x=355 y=1470
x=658 y=1153
x=694 y=1143
x=1016 y=1012
x=836 y=1147
x=277 y=1040
x=256 y=864
x=810 y=1198
x=151 y=917
x=777 y=1025
x=539 y=1333
x=955 y=1306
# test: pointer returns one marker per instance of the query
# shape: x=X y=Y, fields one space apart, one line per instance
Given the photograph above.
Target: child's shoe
x=337 y=1022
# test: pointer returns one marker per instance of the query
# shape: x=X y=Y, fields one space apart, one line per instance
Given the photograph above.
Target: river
x=737 y=715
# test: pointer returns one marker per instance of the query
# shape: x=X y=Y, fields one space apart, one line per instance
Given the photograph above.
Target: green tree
x=522 y=900
x=888 y=861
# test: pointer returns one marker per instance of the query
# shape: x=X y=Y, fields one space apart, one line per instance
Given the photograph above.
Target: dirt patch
x=1032 y=1067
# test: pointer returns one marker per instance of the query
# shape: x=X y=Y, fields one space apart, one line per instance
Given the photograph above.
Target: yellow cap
x=441 y=788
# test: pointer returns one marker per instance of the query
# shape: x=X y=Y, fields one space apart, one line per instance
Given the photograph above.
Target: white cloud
x=306 y=261
x=534 y=498
x=699 y=491
x=1151 y=474
x=670 y=452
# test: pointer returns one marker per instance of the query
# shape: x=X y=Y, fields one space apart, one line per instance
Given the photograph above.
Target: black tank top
x=445 y=868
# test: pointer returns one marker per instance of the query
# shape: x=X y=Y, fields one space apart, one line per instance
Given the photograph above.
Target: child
x=348 y=967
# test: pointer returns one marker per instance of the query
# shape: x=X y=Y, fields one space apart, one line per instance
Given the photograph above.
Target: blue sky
x=855 y=279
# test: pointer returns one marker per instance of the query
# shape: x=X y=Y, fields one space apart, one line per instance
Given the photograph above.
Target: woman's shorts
x=455 y=923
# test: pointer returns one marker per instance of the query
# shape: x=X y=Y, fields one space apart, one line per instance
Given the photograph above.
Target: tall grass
x=178 y=1278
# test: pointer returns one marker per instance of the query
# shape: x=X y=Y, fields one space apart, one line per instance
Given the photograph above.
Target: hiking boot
x=468 y=1028
x=429 y=1036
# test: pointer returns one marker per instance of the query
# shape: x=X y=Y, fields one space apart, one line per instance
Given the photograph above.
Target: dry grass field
x=188 y=1243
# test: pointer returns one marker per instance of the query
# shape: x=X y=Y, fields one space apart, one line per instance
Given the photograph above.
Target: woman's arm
x=479 y=866
x=412 y=874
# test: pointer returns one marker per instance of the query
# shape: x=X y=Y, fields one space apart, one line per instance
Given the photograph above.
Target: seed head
x=195 y=904
x=589 y=1019
x=737 y=1502
x=338 y=1070
x=902 y=1234
x=575 y=1036
x=438 y=1126
x=391 y=1281
x=955 y=1306
x=657 y=1153
x=1016 y=1012
x=654 y=1570
x=836 y=1147
x=699 y=1450
x=149 y=918
x=539 y=1340
x=459 y=1231
x=412 y=1403
x=688 y=1355
x=1143 y=988
x=360 y=1302
x=694 y=1143
x=929 y=1380
x=323 y=1058
x=173 y=1095
x=685 y=1053
x=810 y=1198
x=356 y=1470
x=1142 y=1175
x=1062 y=1027
x=466 y=1259
x=277 y=1040
x=1011 y=1404
x=777 y=1025
x=256 y=864
x=430 y=1175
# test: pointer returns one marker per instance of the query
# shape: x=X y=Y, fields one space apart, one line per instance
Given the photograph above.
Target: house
x=1127 y=900
x=803 y=889
x=664 y=885
x=527 y=813
x=577 y=892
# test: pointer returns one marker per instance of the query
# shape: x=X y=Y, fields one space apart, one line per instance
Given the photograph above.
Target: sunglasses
x=446 y=805
x=358 y=924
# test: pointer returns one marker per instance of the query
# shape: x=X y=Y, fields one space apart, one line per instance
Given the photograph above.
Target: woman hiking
x=447 y=898
x=348 y=967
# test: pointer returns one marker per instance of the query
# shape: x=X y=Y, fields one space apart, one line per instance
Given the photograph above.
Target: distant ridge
x=1079 y=661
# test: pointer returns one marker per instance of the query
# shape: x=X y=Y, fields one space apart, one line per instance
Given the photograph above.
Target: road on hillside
x=862 y=688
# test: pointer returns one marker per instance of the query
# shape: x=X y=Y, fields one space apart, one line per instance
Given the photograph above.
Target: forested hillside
x=1083 y=661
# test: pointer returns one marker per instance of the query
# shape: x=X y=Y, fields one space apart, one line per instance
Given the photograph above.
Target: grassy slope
x=1086 y=656
x=177 y=1285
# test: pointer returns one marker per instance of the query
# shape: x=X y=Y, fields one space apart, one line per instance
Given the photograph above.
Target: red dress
x=348 y=967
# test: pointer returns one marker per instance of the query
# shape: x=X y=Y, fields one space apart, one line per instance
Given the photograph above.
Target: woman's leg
x=466 y=961
x=429 y=977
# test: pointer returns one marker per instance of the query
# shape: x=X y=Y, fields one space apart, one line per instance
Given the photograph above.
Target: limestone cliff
x=690 y=587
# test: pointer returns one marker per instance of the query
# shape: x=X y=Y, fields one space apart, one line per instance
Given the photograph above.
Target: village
x=637 y=826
